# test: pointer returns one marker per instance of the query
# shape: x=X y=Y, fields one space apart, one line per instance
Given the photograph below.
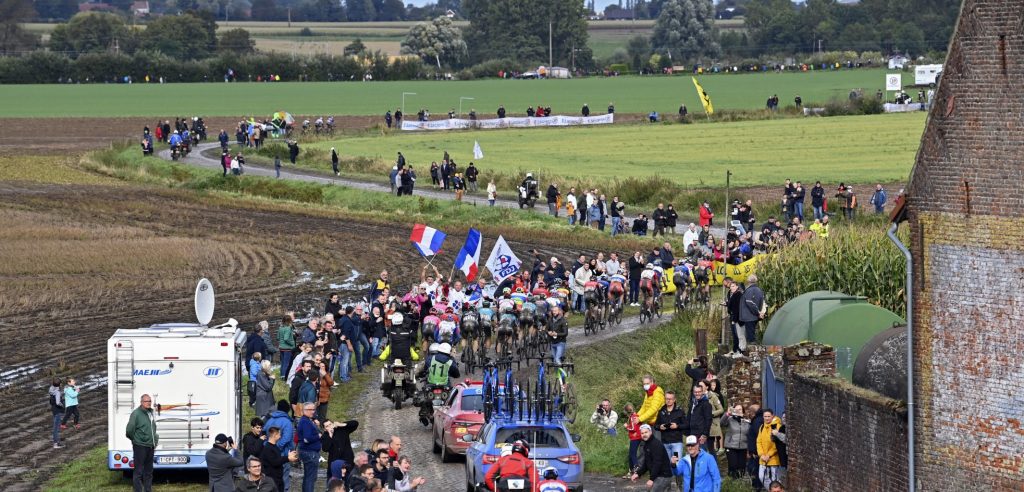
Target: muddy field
x=83 y=261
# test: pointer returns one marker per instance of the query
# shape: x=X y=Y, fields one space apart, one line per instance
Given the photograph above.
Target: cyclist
x=701 y=275
x=681 y=276
x=515 y=470
x=470 y=326
x=551 y=483
x=616 y=290
x=486 y=323
x=592 y=298
x=447 y=332
x=428 y=326
x=650 y=283
x=506 y=323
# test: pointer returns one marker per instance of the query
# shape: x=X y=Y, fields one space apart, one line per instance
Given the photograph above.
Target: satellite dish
x=204 y=302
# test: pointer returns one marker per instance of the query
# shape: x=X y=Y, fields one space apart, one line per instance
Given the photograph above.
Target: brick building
x=966 y=218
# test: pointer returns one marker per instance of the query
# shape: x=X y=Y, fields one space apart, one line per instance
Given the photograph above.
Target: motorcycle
x=428 y=399
x=528 y=194
x=175 y=153
x=396 y=382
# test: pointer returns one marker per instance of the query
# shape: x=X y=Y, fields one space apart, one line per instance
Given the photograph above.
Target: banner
x=894 y=82
x=738 y=273
x=469 y=255
x=478 y=153
x=517 y=122
x=502 y=262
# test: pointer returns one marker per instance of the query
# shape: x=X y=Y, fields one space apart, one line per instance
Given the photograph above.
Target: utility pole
x=551 y=45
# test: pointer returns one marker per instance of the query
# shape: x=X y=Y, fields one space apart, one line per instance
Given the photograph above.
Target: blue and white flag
x=502 y=262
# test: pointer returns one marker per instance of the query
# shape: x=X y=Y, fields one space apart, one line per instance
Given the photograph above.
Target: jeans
x=344 y=359
x=277 y=171
x=634 y=290
x=142 y=479
x=572 y=219
x=616 y=223
x=362 y=347
x=674 y=447
x=310 y=463
x=56 y=427
x=662 y=484
x=286 y=362
x=737 y=462
x=634 y=446
x=557 y=351
x=819 y=212
x=735 y=336
x=490 y=203
x=378 y=347
x=552 y=210
x=750 y=333
x=287 y=476
x=798 y=209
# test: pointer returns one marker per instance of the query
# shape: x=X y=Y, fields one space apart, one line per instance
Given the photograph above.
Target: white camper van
x=192 y=371
x=927 y=74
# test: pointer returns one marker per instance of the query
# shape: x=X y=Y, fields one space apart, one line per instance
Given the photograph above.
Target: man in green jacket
x=142 y=432
x=286 y=344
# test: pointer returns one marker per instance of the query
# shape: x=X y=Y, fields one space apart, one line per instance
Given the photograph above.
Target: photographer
x=604 y=417
x=221 y=460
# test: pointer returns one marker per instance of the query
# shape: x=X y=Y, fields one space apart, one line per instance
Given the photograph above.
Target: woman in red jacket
x=705 y=214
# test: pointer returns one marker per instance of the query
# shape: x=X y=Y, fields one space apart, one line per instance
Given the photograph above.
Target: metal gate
x=773 y=395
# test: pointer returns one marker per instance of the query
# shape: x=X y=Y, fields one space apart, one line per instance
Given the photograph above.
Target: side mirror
x=468 y=438
x=576 y=438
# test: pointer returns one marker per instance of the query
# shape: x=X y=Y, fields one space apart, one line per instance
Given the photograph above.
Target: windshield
x=472 y=403
x=536 y=437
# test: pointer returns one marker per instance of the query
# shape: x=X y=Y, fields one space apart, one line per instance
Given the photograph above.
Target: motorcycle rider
x=515 y=466
x=438 y=370
x=551 y=483
x=175 y=141
x=399 y=348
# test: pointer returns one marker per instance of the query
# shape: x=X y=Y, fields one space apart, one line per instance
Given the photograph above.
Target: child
x=70 y=403
x=252 y=441
x=57 y=409
x=632 y=426
x=254 y=371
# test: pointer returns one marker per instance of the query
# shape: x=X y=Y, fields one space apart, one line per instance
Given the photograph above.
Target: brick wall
x=967 y=235
x=843 y=438
x=808 y=358
x=742 y=377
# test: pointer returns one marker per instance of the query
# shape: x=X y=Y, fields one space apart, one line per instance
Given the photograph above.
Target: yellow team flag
x=705 y=99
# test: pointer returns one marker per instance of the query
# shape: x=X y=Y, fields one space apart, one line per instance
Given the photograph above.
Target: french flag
x=469 y=256
x=427 y=240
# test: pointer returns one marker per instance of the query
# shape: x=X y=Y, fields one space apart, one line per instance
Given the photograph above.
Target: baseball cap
x=221 y=439
x=691 y=440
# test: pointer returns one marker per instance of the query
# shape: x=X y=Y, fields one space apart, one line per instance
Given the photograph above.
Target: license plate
x=516 y=484
x=541 y=464
x=461 y=430
x=172 y=460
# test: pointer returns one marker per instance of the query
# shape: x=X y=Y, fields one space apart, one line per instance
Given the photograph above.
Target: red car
x=462 y=413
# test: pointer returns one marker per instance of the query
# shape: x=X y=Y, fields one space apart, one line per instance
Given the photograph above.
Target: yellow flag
x=705 y=99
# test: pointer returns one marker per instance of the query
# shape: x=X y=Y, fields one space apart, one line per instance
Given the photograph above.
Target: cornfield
x=856 y=260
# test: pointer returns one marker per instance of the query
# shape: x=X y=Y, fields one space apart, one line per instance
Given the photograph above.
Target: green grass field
x=630 y=95
x=857 y=149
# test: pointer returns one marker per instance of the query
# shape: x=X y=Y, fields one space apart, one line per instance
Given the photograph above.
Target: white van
x=192 y=371
x=927 y=74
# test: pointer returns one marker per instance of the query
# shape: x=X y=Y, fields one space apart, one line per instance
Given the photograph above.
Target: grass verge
x=347 y=203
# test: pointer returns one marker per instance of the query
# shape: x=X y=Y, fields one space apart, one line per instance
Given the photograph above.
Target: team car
x=534 y=412
x=461 y=414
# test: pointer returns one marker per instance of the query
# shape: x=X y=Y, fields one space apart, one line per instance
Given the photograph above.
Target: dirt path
x=378 y=420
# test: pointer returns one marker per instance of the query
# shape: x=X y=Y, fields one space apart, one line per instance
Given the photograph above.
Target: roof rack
x=546 y=400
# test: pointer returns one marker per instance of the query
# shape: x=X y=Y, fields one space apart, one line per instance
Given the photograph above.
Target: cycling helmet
x=519 y=290
x=550 y=473
x=444 y=348
x=649 y=265
x=506 y=290
x=433 y=310
x=529 y=175
x=397 y=319
x=449 y=309
x=521 y=448
x=433 y=347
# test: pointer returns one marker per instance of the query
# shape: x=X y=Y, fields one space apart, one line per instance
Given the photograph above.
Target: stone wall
x=741 y=377
x=843 y=438
x=966 y=220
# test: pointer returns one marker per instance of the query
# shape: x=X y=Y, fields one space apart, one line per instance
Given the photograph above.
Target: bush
x=621 y=68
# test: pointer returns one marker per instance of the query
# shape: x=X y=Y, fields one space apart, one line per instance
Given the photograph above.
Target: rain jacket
x=142 y=428
x=706 y=477
x=653 y=401
x=765 y=444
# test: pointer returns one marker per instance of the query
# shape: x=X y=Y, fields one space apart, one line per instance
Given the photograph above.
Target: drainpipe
x=910 y=353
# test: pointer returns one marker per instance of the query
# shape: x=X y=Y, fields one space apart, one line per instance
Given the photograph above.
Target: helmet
x=550 y=473
x=506 y=290
x=397 y=319
x=650 y=265
x=444 y=348
x=433 y=347
x=521 y=448
x=433 y=310
x=519 y=290
x=529 y=175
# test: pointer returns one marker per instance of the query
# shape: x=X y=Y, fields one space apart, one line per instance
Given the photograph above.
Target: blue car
x=551 y=445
